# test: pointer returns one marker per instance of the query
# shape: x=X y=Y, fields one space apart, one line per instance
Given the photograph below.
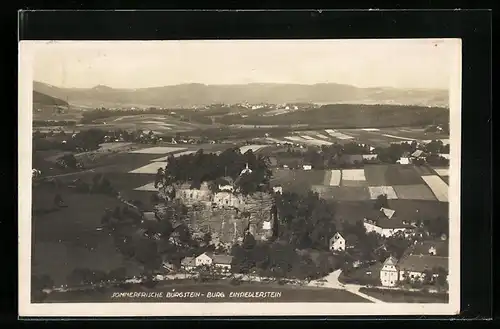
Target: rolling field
x=155 y=122
x=405 y=182
x=352 y=211
x=66 y=239
x=298 y=181
x=371 y=136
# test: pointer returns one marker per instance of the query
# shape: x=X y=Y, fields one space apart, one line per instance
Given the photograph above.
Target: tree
x=147 y=254
x=442 y=276
x=381 y=201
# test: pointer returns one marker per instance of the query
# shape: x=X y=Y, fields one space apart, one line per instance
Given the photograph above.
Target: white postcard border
x=27 y=50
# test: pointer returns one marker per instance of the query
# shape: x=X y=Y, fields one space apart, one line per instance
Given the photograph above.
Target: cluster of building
x=419 y=260
x=208 y=259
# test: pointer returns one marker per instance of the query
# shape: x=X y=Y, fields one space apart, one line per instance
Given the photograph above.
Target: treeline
x=350 y=155
x=350 y=116
x=52 y=123
x=305 y=221
x=207 y=167
x=278 y=260
x=86 y=140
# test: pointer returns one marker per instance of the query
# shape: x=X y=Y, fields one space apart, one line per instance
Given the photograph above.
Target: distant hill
x=42 y=99
x=187 y=95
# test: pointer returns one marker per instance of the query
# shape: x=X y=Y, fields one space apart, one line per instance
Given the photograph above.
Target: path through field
x=332 y=281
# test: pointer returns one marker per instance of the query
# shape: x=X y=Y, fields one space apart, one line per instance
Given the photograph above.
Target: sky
x=404 y=63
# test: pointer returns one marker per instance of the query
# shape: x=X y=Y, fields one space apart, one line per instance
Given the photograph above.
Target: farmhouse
x=389 y=272
x=208 y=259
x=421 y=258
x=386 y=224
x=306 y=167
x=415 y=267
x=337 y=242
x=404 y=160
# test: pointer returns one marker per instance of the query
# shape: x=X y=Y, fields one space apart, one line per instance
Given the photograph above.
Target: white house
x=307 y=167
x=278 y=189
x=389 y=274
x=403 y=160
x=208 y=259
x=337 y=242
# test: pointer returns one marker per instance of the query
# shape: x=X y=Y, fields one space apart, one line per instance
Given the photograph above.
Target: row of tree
x=208 y=167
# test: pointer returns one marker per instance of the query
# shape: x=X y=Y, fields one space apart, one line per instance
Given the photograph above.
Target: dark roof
x=422 y=248
x=188 y=261
x=420 y=263
x=220 y=259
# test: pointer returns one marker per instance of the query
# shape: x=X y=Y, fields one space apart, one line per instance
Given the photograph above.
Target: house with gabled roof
x=337 y=242
x=221 y=261
x=389 y=274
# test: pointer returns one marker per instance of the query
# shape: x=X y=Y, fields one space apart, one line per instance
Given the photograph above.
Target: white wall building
x=337 y=242
x=389 y=275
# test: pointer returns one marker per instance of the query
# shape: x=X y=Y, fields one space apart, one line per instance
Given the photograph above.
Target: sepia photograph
x=239 y=177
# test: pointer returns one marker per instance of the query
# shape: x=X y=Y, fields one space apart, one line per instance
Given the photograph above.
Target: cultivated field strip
x=274 y=140
x=414 y=192
x=151 y=168
x=443 y=155
x=335 y=177
x=353 y=174
x=150 y=187
x=321 y=136
x=254 y=148
x=312 y=141
x=438 y=187
x=295 y=139
x=375 y=191
x=399 y=137
x=337 y=134
x=306 y=137
x=442 y=171
x=159 y=150
x=176 y=155
x=370 y=129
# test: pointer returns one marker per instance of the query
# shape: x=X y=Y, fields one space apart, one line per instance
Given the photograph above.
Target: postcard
x=239 y=177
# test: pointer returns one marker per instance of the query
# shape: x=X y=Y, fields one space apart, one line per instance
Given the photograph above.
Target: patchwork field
x=151 y=168
x=159 y=150
x=412 y=210
x=396 y=181
x=254 y=148
x=375 y=191
x=298 y=181
x=414 y=192
x=342 y=193
x=176 y=155
x=370 y=136
x=438 y=187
